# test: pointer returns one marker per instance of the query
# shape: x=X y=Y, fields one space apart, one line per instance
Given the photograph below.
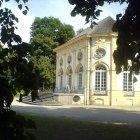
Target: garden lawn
x=51 y=128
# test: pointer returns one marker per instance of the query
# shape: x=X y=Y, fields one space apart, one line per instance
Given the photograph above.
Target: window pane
x=69 y=80
x=127 y=83
x=61 y=81
x=100 y=78
x=80 y=81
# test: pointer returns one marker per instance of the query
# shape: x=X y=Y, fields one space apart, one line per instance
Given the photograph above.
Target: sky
x=59 y=9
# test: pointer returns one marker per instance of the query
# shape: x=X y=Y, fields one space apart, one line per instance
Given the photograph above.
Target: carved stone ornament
x=100 y=52
x=76 y=98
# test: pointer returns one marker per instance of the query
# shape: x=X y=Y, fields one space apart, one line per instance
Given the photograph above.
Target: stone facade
x=85 y=70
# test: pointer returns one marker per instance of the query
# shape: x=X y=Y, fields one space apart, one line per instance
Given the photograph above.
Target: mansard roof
x=102 y=27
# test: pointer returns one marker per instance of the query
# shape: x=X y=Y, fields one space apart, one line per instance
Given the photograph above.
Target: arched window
x=79 y=71
x=100 y=79
x=69 y=76
x=60 y=78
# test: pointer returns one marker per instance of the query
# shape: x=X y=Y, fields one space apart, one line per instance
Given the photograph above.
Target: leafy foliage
x=47 y=34
x=127 y=54
x=16 y=71
x=52 y=28
x=128 y=41
x=15 y=127
x=90 y=8
x=16 y=74
x=47 y=69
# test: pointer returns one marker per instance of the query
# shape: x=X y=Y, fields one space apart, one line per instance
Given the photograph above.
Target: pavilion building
x=85 y=70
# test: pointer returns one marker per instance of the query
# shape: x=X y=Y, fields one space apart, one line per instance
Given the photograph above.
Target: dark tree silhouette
x=16 y=74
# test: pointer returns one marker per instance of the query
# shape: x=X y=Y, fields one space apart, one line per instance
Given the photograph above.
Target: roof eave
x=72 y=41
x=115 y=34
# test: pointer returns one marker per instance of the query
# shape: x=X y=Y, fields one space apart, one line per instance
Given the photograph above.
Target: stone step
x=44 y=99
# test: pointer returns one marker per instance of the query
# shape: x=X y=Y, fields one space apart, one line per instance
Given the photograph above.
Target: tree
x=16 y=74
x=127 y=27
x=46 y=34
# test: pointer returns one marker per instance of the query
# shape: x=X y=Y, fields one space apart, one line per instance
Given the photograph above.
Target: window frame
x=69 y=80
x=100 y=80
x=128 y=86
x=80 y=80
x=61 y=82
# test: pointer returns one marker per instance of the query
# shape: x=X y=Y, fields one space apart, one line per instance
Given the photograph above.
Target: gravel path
x=116 y=115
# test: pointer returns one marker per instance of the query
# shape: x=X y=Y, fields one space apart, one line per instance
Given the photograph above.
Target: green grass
x=67 y=129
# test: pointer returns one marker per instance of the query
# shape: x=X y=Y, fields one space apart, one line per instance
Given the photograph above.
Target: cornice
x=75 y=40
x=113 y=34
x=70 y=42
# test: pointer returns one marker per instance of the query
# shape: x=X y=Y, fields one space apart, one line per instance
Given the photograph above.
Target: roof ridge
x=103 y=26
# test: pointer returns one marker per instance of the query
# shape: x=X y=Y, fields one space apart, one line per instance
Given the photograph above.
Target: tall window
x=69 y=80
x=61 y=81
x=100 y=78
x=80 y=76
x=69 y=76
x=80 y=84
x=60 y=74
x=127 y=82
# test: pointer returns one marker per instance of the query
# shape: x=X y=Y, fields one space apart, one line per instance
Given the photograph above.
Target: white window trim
x=61 y=81
x=80 y=80
x=100 y=86
x=128 y=88
x=69 y=80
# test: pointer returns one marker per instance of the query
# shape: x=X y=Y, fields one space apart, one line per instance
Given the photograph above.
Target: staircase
x=44 y=99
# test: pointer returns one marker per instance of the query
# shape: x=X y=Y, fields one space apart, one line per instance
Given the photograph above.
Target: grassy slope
x=67 y=129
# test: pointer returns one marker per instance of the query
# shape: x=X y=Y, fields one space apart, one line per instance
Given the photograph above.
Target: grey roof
x=102 y=27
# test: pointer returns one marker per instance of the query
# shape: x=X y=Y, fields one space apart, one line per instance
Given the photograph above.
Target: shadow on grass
x=54 y=128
